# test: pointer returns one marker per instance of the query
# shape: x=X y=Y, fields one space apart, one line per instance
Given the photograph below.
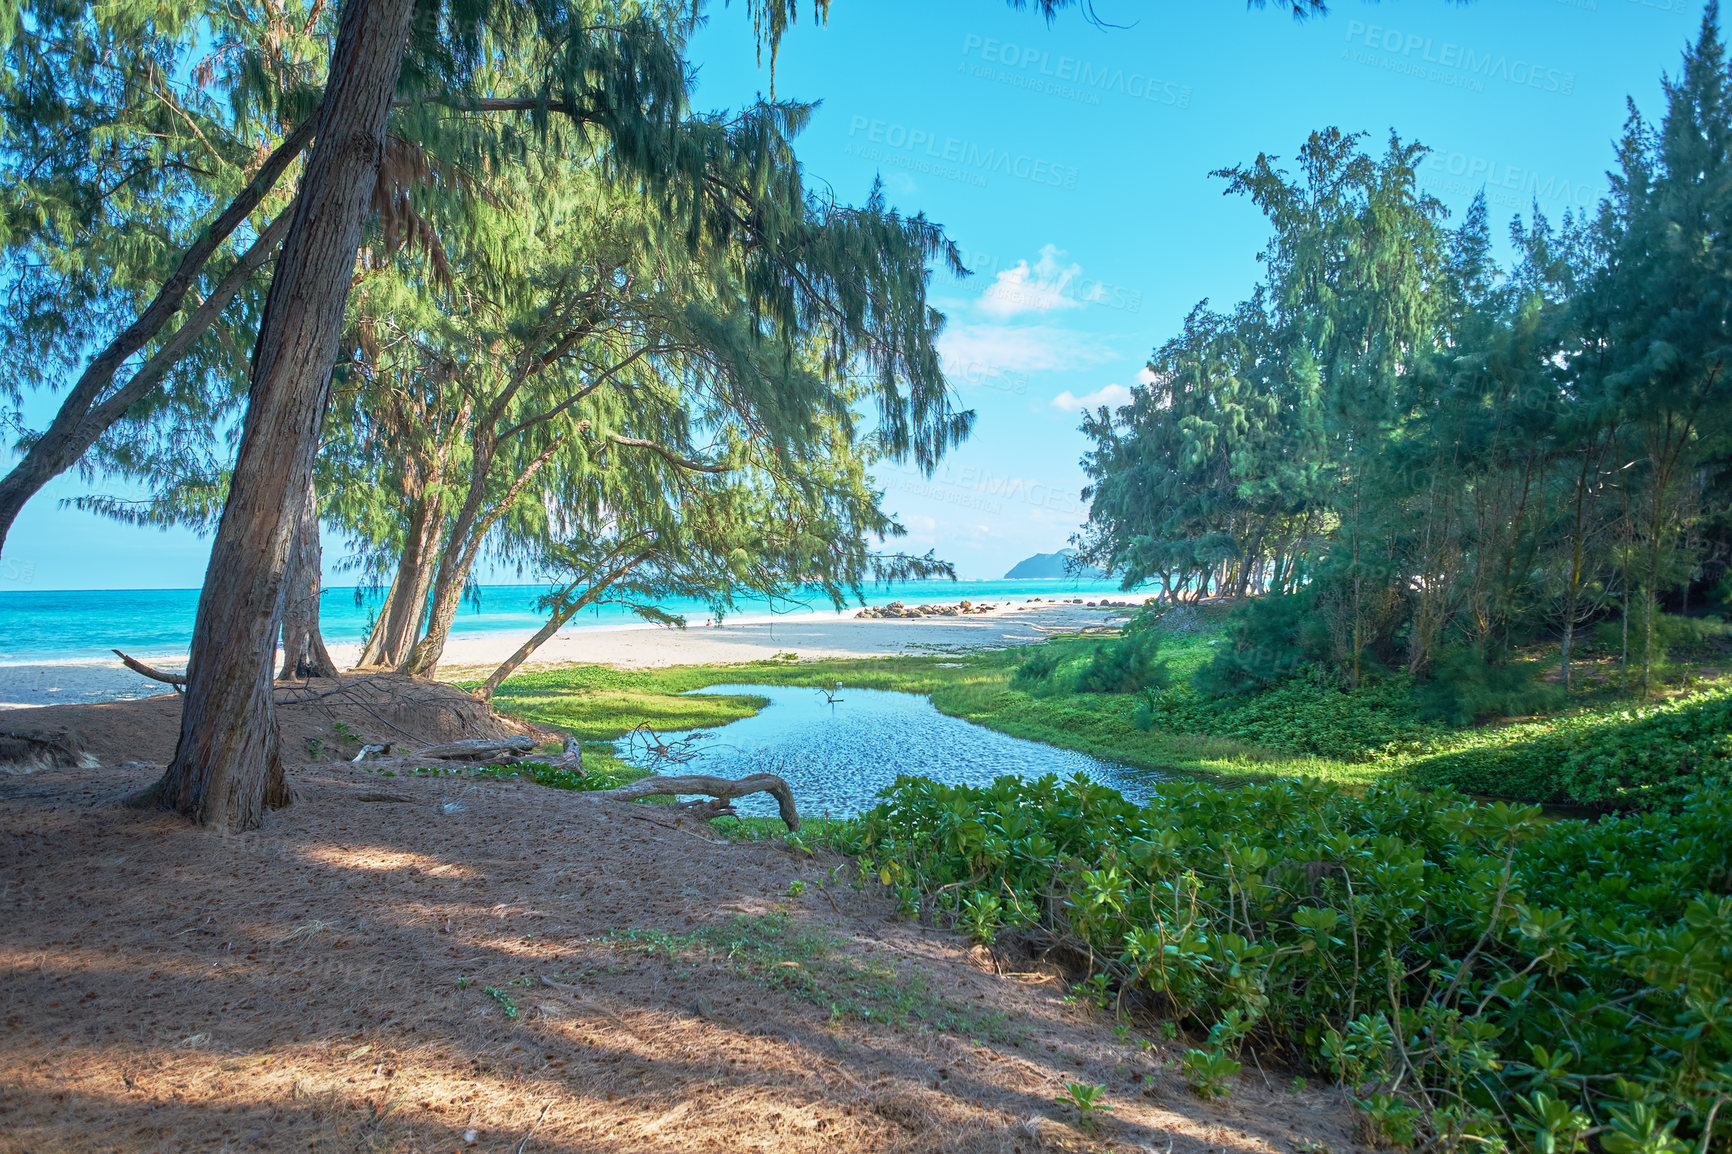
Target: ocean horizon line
x=383 y=589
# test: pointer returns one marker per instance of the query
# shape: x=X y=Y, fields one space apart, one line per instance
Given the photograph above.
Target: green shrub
x=1036 y=668
x=1120 y=665
x=1631 y=758
x=541 y=773
x=1446 y=960
x=1123 y=666
x=1670 y=632
x=1268 y=640
x=1379 y=719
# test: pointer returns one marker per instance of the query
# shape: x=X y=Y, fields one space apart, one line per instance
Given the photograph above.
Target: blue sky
x=1070 y=162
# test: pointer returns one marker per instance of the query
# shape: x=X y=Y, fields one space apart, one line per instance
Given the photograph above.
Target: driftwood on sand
x=722 y=789
x=479 y=749
x=177 y=680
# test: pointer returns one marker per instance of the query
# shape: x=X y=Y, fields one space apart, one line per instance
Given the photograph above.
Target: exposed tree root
x=723 y=790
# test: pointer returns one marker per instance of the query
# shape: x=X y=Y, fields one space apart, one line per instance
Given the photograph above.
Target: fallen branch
x=722 y=788
x=479 y=749
x=177 y=680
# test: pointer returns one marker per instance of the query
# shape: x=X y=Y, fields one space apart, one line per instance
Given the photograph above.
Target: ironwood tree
x=1428 y=462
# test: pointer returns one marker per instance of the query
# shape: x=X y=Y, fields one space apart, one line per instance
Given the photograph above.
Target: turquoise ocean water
x=74 y=624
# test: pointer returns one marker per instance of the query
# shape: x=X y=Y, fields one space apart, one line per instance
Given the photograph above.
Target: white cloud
x=975 y=352
x=1110 y=395
x=1145 y=376
x=1045 y=287
x=900 y=183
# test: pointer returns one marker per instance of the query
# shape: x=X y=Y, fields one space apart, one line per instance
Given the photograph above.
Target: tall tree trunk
x=304 y=653
x=420 y=562
x=468 y=531
x=454 y=568
x=399 y=620
x=1578 y=562
x=228 y=738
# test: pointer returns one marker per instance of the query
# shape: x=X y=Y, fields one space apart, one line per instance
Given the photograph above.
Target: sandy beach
x=638 y=646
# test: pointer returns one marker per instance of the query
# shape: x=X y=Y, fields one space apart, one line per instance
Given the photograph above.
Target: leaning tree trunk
x=228 y=753
x=423 y=659
x=509 y=666
x=463 y=545
x=554 y=624
x=723 y=789
x=304 y=653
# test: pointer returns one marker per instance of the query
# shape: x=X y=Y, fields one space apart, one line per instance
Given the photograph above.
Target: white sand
x=627 y=646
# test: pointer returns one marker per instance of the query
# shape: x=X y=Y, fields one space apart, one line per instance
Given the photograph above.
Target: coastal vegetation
x=1317 y=884
x=1439 y=669
x=520 y=292
x=1470 y=522
x=1424 y=462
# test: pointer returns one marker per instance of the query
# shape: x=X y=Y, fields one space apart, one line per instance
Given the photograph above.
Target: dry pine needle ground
x=323 y=984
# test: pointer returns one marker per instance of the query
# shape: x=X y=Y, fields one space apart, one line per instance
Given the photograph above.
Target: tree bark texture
x=227 y=758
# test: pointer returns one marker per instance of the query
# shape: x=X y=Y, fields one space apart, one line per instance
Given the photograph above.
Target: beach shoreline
x=627 y=645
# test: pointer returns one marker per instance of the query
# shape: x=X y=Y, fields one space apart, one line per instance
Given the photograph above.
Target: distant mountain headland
x=1050 y=565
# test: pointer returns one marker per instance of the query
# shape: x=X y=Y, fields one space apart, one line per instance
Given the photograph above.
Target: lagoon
x=837 y=755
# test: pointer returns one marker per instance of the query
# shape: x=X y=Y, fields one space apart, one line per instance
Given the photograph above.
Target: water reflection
x=837 y=756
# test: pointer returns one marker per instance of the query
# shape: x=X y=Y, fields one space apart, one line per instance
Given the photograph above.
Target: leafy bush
x=1124 y=666
x=1377 y=720
x=1036 y=667
x=1121 y=665
x=1270 y=638
x=1632 y=758
x=1670 y=632
x=541 y=773
x=1469 y=971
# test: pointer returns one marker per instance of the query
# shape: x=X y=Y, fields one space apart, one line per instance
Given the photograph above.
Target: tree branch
x=668 y=455
x=153 y=370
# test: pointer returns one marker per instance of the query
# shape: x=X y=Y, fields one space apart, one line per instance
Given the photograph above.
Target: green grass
x=806 y=963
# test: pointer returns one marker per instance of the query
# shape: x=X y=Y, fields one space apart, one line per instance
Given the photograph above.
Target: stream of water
x=837 y=755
